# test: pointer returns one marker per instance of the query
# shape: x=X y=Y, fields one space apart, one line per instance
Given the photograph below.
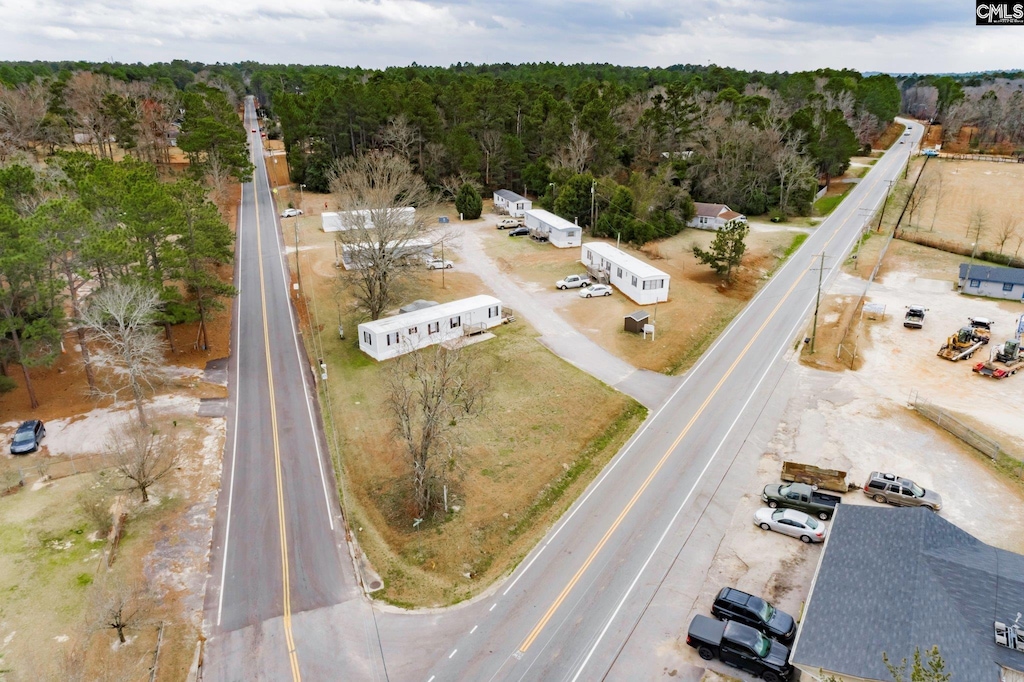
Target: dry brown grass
x=531 y=432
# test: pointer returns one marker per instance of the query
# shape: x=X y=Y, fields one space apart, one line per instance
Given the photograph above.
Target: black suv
x=732 y=604
x=27 y=437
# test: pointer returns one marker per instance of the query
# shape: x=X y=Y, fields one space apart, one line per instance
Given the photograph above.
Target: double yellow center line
x=289 y=638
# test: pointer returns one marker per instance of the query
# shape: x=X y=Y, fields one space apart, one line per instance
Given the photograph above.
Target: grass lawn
x=529 y=454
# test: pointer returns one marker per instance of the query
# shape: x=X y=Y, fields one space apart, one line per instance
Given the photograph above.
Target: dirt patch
x=889 y=136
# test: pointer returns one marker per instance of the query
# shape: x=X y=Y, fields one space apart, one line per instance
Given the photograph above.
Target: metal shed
x=634 y=322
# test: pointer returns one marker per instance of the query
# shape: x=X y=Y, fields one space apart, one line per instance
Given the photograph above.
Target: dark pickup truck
x=740 y=646
x=801 y=496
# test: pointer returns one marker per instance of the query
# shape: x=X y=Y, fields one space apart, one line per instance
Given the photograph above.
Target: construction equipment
x=1007 y=359
x=960 y=345
x=982 y=328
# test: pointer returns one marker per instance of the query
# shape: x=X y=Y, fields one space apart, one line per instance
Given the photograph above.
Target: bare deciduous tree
x=22 y=111
x=401 y=136
x=119 y=321
x=490 y=143
x=917 y=199
x=577 y=150
x=1007 y=230
x=120 y=605
x=938 y=176
x=142 y=456
x=380 y=237
x=451 y=184
x=429 y=392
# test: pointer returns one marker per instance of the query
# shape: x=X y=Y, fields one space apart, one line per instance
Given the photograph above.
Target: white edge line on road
x=454 y=651
x=492 y=606
x=474 y=629
x=432 y=678
x=298 y=354
x=651 y=419
x=234 y=425
x=802 y=320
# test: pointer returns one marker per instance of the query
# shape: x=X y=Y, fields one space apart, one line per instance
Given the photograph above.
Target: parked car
x=573 y=281
x=801 y=497
x=732 y=604
x=596 y=290
x=27 y=437
x=438 y=263
x=902 y=492
x=931 y=152
x=790 y=522
x=506 y=223
x=740 y=646
x=914 y=318
x=291 y=212
x=519 y=232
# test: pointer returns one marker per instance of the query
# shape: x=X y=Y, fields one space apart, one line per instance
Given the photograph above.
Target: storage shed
x=641 y=281
x=507 y=201
x=558 y=231
x=390 y=337
x=634 y=322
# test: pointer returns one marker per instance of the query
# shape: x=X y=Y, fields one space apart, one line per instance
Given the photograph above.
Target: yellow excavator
x=960 y=345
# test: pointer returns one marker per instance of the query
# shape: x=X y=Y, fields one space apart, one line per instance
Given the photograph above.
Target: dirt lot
x=859 y=422
x=967 y=188
x=699 y=304
x=527 y=456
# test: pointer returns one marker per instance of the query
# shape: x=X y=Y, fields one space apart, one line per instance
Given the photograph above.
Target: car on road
x=439 y=263
x=596 y=290
x=254 y=130
x=507 y=223
x=736 y=605
x=902 y=492
x=740 y=646
x=573 y=282
x=291 y=212
x=790 y=522
x=519 y=232
x=27 y=437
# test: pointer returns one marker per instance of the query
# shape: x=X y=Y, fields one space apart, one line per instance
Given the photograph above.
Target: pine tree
x=727 y=248
x=468 y=202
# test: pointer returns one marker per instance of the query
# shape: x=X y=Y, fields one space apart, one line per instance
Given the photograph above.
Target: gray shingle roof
x=510 y=196
x=990 y=273
x=892 y=580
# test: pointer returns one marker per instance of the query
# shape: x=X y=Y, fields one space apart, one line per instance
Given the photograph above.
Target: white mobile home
x=365 y=218
x=352 y=254
x=641 y=281
x=556 y=230
x=506 y=201
x=390 y=337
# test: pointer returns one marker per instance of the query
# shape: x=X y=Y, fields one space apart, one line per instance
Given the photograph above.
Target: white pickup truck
x=573 y=282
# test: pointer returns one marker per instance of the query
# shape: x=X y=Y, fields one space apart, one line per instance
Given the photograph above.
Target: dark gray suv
x=27 y=437
x=902 y=492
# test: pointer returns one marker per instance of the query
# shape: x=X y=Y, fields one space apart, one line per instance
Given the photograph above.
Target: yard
x=700 y=304
x=545 y=431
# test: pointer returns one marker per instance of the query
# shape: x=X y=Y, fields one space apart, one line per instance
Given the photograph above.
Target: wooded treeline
x=994 y=105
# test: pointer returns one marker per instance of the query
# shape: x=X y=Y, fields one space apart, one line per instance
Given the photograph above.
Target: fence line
x=981 y=157
x=945 y=420
x=16 y=477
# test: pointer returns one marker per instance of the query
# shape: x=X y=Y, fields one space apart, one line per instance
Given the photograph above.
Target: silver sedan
x=790 y=522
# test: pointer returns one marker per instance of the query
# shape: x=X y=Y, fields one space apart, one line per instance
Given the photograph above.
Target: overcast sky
x=769 y=35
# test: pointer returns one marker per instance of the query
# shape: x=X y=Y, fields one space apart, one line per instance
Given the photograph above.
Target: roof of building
x=731 y=215
x=429 y=314
x=553 y=221
x=710 y=210
x=625 y=261
x=418 y=304
x=990 y=273
x=893 y=580
x=509 y=196
x=639 y=316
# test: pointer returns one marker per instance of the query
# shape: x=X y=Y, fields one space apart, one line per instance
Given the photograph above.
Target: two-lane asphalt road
x=570 y=607
x=278 y=549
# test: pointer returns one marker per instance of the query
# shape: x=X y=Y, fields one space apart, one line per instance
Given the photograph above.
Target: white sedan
x=291 y=212
x=790 y=522
x=596 y=290
x=437 y=264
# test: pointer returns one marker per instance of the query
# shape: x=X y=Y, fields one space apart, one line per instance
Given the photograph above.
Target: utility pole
x=298 y=273
x=817 y=300
x=593 y=216
x=443 y=268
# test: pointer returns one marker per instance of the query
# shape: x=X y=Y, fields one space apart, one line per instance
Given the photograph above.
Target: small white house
x=507 y=201
x=641 y=281
x=393 y=336
x=713 y=216
x=555 y=229
x=365 y=218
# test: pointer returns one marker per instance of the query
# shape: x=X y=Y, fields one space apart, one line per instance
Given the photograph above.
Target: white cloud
x=769 y=35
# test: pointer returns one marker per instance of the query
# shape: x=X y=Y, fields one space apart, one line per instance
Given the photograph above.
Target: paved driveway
x=538 y=308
